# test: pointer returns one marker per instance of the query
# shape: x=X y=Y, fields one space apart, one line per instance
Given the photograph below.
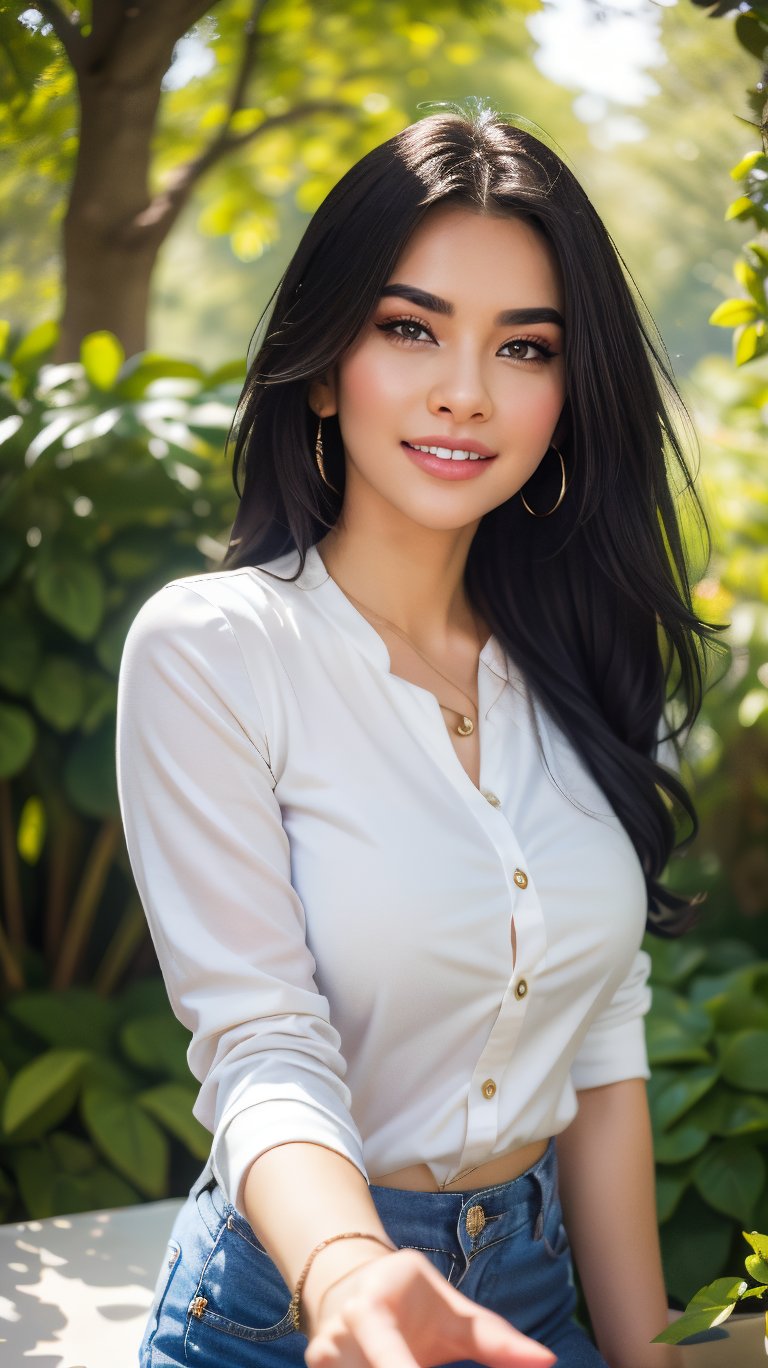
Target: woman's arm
x=364 y=1307
x=607 y=1189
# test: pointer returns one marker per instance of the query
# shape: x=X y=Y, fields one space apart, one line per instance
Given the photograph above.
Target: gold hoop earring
x=319 y=457
x=561 y=496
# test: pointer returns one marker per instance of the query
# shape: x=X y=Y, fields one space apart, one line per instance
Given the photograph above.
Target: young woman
x=391 y=793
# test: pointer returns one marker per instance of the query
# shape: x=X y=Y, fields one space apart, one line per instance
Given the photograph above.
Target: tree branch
x=67 y=33
x=165 y=208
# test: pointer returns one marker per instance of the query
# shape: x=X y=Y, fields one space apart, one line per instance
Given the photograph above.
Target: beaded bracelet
x=295 y=1304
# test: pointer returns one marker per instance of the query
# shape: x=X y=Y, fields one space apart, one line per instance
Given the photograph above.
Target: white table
x=75 y=1292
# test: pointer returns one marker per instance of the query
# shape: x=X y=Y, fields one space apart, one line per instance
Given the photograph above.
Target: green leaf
x=70 y=591
x=108 y=1190
x=758 y=1242
x=672 y=1094
x=140 y=371
x=695 y=1240
x=673 y=961
x=58 y=693
x=670 y=1186
x=158 y=1044
x=71 y=1154
x=42 y=1093
x=128 y=1138
x=89 y=774
x=740 y=208
x=102 y=356
x=35 y=1171
x=750 y=343
x=682 y=1142
x=757 y=1268
x=734 y=312
x=37 y=344
x=744 y=1060
x=20 y=656
x=730 y=1177
x=74 y=1018
x=171 y=1105
x=18 y=735
x=144 y=997
x=710 y=1306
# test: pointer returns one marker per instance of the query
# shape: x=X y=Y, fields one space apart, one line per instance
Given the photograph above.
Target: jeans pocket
x=241 y=1295
x=164 y=1278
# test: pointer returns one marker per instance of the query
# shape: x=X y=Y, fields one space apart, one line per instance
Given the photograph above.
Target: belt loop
x=544 y=1174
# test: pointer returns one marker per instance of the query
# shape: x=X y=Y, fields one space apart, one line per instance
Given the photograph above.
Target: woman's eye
x=409 y=326
x=524 y=350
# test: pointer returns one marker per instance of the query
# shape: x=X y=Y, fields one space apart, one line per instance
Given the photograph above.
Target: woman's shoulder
x=247 y=594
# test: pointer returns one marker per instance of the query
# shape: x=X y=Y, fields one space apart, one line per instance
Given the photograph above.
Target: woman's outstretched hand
x=397 y=1311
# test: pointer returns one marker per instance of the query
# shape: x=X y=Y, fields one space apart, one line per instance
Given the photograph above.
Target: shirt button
x=489 y=1088
x=521 y=989
x=491 y=798
x=521 y=878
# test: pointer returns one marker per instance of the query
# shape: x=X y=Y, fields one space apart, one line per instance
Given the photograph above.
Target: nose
x=460 y=389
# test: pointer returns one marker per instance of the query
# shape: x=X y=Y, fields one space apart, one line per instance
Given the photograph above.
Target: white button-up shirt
x=333 y=901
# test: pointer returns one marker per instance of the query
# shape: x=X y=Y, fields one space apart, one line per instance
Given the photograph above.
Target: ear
x=321 y=395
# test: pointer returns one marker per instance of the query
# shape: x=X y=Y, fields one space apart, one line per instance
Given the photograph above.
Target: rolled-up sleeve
x=614 y=1047
x=211 y=860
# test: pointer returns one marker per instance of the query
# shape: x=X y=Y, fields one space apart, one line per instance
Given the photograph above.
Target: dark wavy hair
x=593 y=603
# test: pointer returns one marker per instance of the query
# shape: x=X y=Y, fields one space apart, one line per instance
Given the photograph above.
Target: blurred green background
x=155 y=178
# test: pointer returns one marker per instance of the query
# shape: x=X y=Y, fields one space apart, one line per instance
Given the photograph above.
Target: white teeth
x=448 y=454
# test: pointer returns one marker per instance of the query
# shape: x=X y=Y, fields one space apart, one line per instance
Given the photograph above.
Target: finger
x=491 y=1340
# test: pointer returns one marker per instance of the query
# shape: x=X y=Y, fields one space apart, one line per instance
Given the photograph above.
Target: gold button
x=475 y=1221
x=489 y=1088
x=521 y=989
x=521 y=878
x=491 y=798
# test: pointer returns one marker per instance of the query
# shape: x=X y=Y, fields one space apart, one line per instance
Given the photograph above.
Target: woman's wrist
x=339 y=1261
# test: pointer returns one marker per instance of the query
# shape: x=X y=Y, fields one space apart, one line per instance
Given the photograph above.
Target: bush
x=96 y=1102
x=112 y=481
x=708 y=1047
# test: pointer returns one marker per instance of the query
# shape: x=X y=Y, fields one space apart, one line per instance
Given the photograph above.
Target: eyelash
x=543 y=348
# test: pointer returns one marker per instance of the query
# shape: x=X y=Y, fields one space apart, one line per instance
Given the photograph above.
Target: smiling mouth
x=448 y=454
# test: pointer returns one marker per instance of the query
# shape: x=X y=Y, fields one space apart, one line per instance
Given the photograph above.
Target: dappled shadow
x=75 y=1290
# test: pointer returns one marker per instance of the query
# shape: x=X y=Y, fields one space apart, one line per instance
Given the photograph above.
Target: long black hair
x=592 y=603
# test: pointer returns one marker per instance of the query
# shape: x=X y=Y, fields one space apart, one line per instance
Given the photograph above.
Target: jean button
x=475 y=1221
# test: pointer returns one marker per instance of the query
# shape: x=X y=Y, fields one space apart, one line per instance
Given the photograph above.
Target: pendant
x=465 y=727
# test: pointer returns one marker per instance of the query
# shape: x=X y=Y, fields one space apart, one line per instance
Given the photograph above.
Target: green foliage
x=749 y=316
x=726 y=755
x=713 y=1304
x=708 y=1048
x=112 y=482
x=83 y=1125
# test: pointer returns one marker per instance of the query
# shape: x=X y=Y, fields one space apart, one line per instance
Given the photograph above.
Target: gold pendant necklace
x=466 y=726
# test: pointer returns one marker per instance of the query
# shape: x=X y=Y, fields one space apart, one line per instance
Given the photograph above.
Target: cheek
x=371 y=377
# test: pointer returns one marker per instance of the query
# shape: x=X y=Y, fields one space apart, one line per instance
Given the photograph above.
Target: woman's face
x=451 y=367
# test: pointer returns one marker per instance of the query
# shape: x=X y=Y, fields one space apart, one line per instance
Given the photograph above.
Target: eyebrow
x=507 y=317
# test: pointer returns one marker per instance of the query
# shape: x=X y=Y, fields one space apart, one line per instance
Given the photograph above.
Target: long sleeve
x=212 y=864
x=614 y=1046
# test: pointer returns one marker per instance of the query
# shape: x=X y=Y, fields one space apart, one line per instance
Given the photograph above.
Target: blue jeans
x=220 y=1302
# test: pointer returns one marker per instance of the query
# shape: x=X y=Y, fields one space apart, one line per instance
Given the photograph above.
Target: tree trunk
x=114 y=225
x=109 y=247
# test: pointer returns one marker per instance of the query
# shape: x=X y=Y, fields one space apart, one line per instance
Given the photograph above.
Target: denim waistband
x=475 y=1218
